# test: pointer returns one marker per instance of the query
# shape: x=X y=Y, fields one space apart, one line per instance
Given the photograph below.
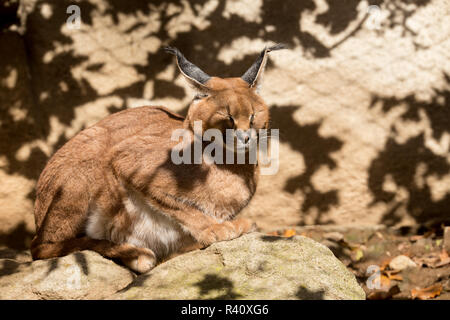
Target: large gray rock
x=254 y=266
x=82 y=275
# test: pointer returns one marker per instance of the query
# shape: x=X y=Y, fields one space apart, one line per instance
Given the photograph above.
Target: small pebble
x=334 y=236
x=401 y=262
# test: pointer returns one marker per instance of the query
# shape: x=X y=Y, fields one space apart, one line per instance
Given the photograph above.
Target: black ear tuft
x=278 y=46
x=187 y=68
x=171 y=50
x=253 y=75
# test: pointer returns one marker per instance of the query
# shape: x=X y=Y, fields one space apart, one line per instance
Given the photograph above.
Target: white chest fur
x=150 y=228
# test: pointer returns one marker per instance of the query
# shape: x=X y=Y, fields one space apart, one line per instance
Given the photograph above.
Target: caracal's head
x=227 y=103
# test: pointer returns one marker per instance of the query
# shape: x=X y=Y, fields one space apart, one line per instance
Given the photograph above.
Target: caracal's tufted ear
x=253 y=75
x=193 y=74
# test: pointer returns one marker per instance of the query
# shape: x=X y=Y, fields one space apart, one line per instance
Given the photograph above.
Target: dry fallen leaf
x=427 y=293
x=289 y=233
x=385 y=282
x=393 y=276
x=445 y=259
x=273 y=233
x=385 y=264
x=383 y=295
x=433 y=260
x=442 y=263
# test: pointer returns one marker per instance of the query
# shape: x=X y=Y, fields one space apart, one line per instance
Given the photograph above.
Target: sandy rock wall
x=361 y=99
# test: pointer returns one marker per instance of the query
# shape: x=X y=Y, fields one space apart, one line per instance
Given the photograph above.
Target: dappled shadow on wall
x=316 y=151
x=52 y=59
x=411 y=166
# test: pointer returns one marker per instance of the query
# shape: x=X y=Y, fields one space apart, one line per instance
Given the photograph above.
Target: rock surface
x=254 y=266
x=402 y=262
x=82 y=275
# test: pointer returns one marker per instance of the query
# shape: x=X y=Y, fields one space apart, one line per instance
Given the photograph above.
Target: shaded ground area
x=369 y=253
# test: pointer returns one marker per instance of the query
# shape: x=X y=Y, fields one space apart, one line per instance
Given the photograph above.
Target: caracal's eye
x=200 y=96
x=252 y=118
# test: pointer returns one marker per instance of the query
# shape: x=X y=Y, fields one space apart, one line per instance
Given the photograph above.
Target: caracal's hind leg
x=58 y=234
x=138 y=259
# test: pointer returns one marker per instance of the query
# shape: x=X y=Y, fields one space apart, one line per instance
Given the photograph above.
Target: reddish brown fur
x=130 y=150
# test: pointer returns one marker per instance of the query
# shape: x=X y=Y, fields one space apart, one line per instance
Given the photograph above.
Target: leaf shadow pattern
x=8 y=16
x=80 y=261
x=269 y=238
x=306 y=294
x=198 y=44
x=212 y=283
x=316 y=151
x=19 y=238
x=9 y=266
x=410 y=164
x=53 y=264
x=12 y=244
x=137 y=282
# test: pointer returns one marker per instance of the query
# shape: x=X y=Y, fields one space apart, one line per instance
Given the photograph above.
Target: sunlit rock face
x=361 y=98
x=254 y=266
x=81 y=275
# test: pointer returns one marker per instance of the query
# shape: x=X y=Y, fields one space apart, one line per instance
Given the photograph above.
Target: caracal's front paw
x=217 y=232
x=244 y=225
x=227 y=230
x=143 y=262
